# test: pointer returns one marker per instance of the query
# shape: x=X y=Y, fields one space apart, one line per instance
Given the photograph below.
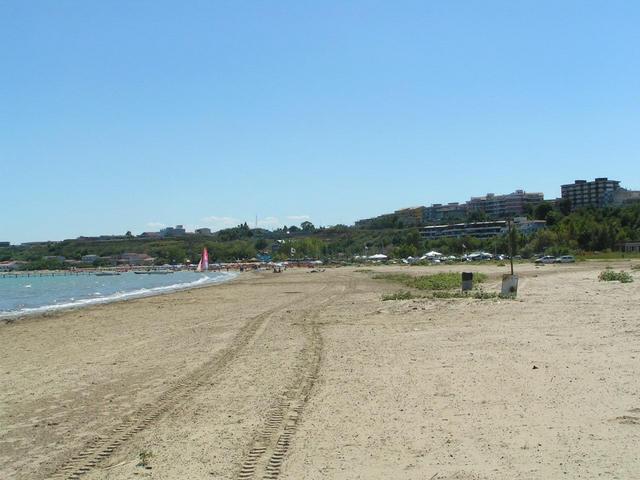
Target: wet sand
x=310 y=375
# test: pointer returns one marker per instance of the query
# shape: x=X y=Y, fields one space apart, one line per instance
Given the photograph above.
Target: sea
x=31 y=295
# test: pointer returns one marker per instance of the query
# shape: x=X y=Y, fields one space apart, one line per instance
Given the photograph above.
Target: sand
x=311 y=376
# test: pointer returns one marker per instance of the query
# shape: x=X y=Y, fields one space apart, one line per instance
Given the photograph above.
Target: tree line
x=586 y=230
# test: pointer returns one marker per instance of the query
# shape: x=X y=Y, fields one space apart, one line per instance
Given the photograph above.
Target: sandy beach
x=306 y=375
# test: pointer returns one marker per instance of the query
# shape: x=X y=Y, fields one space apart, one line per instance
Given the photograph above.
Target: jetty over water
x=45 y=274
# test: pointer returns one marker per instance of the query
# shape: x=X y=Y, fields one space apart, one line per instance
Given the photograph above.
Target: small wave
x=119 y=296
x=27 y=286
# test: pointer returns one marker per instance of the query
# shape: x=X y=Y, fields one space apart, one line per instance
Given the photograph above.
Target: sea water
x=27 y=295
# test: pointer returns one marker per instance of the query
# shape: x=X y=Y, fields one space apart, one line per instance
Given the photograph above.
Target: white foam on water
x=119 y=296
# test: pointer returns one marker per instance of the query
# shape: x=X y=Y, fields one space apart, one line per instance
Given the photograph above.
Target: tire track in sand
x=271 y=444
x=103 y=447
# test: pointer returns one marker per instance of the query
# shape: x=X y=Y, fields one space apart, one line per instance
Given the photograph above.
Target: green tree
x=307 y=227
x=175 y=254
x=413 y=238
x=564 y=206
x=261 y=244
x=405 y=250
x=541 y=210
x=552 y=218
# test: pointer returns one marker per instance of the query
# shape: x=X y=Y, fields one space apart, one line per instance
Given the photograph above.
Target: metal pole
x=510 y=244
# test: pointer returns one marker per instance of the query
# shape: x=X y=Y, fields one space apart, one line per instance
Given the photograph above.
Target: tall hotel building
x=589 y=194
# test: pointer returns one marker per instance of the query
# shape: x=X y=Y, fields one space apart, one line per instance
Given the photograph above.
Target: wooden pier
x=44 y=274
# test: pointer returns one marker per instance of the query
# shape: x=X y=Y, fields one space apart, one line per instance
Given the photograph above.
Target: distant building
x=503 y=206
x=528 y=227
x=150 y=235
x=177 y=231
x=480 y=229
x=203 y=231
x=460 y=230
x=89 y=258
x=494 y=206
x=411 y=217
x=631 y=247
x=135 y=259
x=388 y=220
x=103 y=238
x=589 y=194
x=621 y=197
x=12 y=265
x=439 y=212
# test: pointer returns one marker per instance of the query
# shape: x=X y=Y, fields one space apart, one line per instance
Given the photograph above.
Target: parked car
x=475 y=256
x=566 y=259
x=546 y=259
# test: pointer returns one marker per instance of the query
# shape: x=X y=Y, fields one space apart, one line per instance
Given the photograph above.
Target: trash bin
x=509 y=285
x=467 y=281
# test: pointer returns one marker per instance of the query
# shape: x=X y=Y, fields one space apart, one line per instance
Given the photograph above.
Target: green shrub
x=611 y=276
x=436 y=281
x=482 y=295
x=475 y=294
x=144 y=456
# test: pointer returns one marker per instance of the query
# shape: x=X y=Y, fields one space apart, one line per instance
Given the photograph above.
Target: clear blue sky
x=124 y=115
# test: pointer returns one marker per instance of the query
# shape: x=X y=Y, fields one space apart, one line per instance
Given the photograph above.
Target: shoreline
x=50 y=310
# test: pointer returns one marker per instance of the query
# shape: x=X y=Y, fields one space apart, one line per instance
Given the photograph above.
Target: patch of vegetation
x=444 y=294
x=402 y=295
x=438 y=286
x=635 y=267
x=611 y=276
x=483 y=295
x=448 y=294
x=436 y=281
x=145 y=457
x=363 y=270
x=475 y=294
x=608 y=255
